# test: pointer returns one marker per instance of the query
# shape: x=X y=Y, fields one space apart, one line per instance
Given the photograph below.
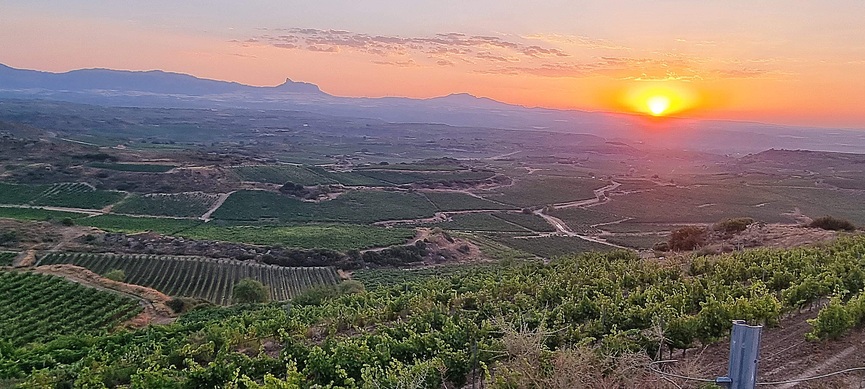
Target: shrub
x=248 y=291
x=350 y=287
x=116 y=275
x=67 y=222
x=831 y=223
x=831 y=322
x=687 y=238
x=176 y=305
x=732 y=226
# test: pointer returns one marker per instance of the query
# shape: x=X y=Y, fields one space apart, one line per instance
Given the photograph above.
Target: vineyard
x=70 y=194
x=133 y=167
x=480 y=222
x=427 y=322
x=549 y=246
x=192 y=204
x=338 y=237
x=6 y=258
x=37 y=308
x=403 y=177
x=456 y=201
x=207 y=279
x=131 y=224
x=542 y=190
x=280 y=174
x=352 y=207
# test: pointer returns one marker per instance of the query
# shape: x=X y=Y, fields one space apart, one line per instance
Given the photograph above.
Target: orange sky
x=785 y=62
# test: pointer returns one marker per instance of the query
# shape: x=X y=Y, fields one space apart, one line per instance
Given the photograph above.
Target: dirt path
x=91 y=212
x=216 y=205
x=600 y=198
x=422 y=233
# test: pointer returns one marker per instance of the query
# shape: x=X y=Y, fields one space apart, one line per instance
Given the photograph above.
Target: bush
x=116 y=275
x=176 y=305
x=67 y=222
x=248 y=291
x=732 y=226
x=831 y=223
x=687 y=238
x=350 y=287
x=831 y=322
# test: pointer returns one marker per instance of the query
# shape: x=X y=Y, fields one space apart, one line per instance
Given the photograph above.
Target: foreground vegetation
x=438 y=327
x=37 y=307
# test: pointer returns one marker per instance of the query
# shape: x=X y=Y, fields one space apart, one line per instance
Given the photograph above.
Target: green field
x=333 y=237
x=639 y=242
x=456 y=201
x=347 y=178
x=531 y=191
x=352 y=207
x=582 y=219
x=6 y=257
x=479 y=222
x=527 y=220
x=131 y=224
x=37 y=308
x=73 y=195
x=410 y=177
x=133 y=167
x=414 y=167
x=37 y=214
x=209 y=279
x=191 y=204
x=550 y=246
x=280 y=174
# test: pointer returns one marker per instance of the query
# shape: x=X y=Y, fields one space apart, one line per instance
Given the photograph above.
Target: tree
x=687 y=238
x=248 y=291
x=116 y=275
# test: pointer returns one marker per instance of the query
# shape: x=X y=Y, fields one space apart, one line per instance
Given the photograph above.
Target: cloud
x=540 y=55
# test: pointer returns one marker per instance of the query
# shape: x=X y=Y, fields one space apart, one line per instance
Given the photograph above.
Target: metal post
x=744 y=353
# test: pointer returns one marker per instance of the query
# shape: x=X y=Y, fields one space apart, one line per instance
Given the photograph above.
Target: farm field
x=352 y=178
x=280 y=174
x=203 y=278
x=37 y=214
x=362 y=207
x=456 y=201
x=527 y=220
x=192 y=204
x=410 y=177
x=332 y=237
x=37 y=308
x=6 y=258
x=73 y=195
x=132 y=224
x=703 y=204
x=531 y=191
x=479 y=222
x=550 y=246
x=133 y=167
x=582 y=219
x=639 y=242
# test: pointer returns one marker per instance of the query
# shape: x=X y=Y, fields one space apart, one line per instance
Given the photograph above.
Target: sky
x=776 y=61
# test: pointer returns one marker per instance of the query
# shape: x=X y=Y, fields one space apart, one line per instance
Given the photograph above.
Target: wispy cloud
x=540 y=55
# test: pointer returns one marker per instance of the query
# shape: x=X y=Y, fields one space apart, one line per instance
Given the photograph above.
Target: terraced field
x=37 y=307
x=195 y=277
x=192 y=204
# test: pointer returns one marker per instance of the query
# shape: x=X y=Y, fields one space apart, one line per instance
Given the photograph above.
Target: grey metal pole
x=744 y=355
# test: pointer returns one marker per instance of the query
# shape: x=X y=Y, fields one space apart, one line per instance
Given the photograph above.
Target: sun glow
x=658 y=105
x=657 y=98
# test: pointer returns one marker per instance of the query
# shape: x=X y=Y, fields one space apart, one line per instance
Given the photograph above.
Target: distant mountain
x=158 y=88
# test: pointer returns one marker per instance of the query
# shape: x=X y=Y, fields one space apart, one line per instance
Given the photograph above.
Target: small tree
x=116 y=275
x=831 y=223
x=687 y=238
x=248 y=291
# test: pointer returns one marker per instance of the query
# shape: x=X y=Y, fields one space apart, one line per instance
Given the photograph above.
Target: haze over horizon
x=776 y=62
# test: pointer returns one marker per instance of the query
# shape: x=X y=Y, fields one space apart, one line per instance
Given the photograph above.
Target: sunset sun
x=658 y=105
